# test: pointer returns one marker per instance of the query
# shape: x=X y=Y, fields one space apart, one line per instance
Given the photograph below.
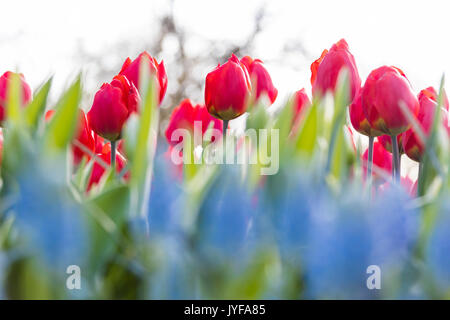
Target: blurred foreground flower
x=438 y=246
x=348 y=236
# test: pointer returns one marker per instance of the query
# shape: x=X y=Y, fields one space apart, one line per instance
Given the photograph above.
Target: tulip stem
x=419 y=179
x=113 y=156
x=370 y=161
x=225 y=127
x=395 y=159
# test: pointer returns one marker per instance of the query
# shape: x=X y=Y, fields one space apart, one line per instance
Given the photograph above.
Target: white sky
x=39 y=38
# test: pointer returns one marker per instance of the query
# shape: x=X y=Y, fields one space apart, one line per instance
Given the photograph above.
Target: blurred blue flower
x=394 y=226
x=438 y=249
x=173 y=275
x=51 y=221
x=225 y=216
x=292 y=213
x=166 y=197
x=338 y=252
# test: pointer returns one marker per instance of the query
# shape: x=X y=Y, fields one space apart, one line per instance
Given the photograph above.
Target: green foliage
x=61 y=128
x=35 y=110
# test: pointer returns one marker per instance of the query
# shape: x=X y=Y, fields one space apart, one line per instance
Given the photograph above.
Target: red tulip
x=83 y=135
x=325 y=70
x=359 y=120
x=113 y=103
x=202 y=115
x=5 y=81
x=384 y=90
x=386 y=141
x=184 y=116
x=99 y=142
x=382 y=161
x=227 y=90
x=431 y=93
x=412 y=144
x=130 y=69
x=300 y=103
x=260 y=78
x=315 y=66
x=98 y=170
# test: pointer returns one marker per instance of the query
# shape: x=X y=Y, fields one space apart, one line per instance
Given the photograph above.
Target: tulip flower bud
x=184 y=116
x=300 y=103
x=260 y=78
x=130 y=70
x=325 y=70
x=5 y=81
x=412 y=144
x=83 y=136
x=98 y=170
x=359 y=120
x=227 y=90
x=112 y=105
x=431 y=93
x=385 y=89
x=382 y=161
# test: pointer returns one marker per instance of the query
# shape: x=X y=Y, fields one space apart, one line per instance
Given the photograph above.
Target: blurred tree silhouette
x=186 y=70
x=189 y=57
